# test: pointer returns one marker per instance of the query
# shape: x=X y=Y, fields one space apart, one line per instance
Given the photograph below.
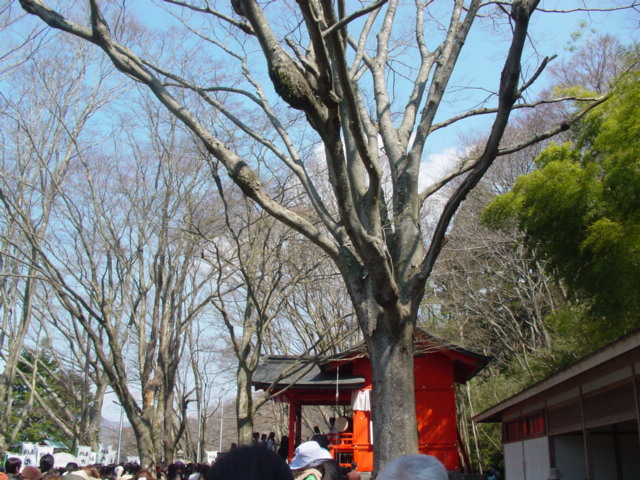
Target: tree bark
x=244 y=407
x=393 y=396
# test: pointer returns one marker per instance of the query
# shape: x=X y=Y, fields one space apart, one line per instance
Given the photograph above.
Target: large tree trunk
x=389 y=336
x=149 y=427
x=395 y=430
x=145 y=439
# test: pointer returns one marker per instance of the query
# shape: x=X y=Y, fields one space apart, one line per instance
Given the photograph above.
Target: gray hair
x=413 y=467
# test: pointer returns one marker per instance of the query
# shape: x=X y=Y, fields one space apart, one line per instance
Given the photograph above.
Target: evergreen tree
x=29 y=395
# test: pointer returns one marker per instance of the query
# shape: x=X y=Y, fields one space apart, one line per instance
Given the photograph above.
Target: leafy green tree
x=580 y=210
x=31 y=388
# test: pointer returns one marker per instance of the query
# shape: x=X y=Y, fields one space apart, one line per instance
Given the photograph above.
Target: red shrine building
x=345 y=380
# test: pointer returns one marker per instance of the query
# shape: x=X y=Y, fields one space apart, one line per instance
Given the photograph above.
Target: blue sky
x=482 y=58
x=483 y=53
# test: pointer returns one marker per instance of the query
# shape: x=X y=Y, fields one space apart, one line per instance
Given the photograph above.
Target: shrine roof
x=304 y=372
x=467 y=364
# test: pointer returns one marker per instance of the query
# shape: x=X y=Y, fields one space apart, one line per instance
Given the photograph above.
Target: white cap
x=309 y=454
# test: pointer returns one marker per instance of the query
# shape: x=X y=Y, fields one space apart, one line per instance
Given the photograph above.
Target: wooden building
x=581 y=423
x=346 y=380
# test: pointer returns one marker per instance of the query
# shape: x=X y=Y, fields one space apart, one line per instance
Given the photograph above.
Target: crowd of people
x=254 y=462
x=261 y=460
x=312 y=461
x=47 y=470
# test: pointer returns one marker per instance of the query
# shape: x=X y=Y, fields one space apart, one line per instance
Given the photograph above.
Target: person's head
x=413 y=467
x=308 y=455
x=92 y=471
x=31 y=473
x=354 y=466
x=107 y=471
x=46 y=462
x=144 y=475
x=322 y=440
x=52 y=475
x=330 y=469
x=71 y=467
x=203 y=468
x=12 y=465
x=132 y=468
x=174 y=470
x=250 y=463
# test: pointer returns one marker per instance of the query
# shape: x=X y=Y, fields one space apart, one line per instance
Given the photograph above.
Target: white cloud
x=436 y=166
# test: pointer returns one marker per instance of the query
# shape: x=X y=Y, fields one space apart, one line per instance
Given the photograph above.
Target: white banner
x=29 y=457
x=211 y=456
x=133 y=460
x=103 y=454
x=43 y=450
x=93 y=458
x=84 y=455
x=111 y=456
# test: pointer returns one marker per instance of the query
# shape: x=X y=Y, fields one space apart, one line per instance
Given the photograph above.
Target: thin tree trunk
x=474 y=428
x=7 y=377
x=91 y=436
x=244 y=407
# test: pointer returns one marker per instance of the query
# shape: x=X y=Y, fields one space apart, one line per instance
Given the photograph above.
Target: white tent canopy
x=62 y=458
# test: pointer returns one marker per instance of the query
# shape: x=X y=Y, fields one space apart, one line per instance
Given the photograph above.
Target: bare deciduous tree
x=258 y=272
x=42 y=118
x=124 y=265
x=333 y=65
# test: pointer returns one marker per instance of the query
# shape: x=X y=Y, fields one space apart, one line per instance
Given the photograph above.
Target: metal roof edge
x=586 y=363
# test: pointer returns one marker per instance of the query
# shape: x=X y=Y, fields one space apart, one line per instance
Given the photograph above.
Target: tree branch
x=520 y=13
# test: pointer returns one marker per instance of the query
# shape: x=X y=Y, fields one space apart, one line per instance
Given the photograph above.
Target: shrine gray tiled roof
x=304 y=372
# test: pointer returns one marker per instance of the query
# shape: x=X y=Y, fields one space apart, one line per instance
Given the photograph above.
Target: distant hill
x=109 y=432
